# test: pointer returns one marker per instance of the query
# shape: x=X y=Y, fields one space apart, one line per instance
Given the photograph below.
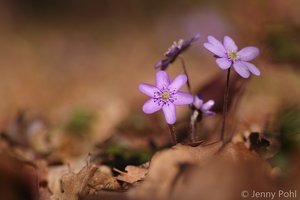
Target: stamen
x=164 y=98
x=165 y=95
x=232 y=55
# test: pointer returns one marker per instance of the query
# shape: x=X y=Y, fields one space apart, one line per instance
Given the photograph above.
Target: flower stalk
x=172 y=134
x=200 y=109
x=225 y=105
x=186 y=73
x=194 y=119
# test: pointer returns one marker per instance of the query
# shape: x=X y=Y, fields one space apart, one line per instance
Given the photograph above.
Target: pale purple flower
x=204 y=107
x=165 y=95
x=174 y=51
x=227 y=54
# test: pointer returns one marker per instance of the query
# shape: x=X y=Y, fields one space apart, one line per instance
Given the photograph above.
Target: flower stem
x=172 y=134
x=194 y=120
x=185 y=72
x=225 y=105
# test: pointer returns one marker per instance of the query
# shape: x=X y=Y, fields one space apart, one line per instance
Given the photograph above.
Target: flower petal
x=214 y=49
x=148 y=89
x=158 y=64
x=229 y=44
x=252 y=68
x=150 y=106
x=178 y=82
x=208 y=113
x=223 y=63
x=183 y=98
x=216 y=43
x=248 y=53
x=207 y=106
x=162 y=80
x=241 y=69
x=170 y=113
x=198 y=102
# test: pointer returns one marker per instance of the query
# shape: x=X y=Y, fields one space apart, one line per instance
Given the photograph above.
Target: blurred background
x=72 y=66
x=61 y=55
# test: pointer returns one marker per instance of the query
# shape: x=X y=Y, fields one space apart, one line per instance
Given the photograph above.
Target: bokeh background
x=59 y=55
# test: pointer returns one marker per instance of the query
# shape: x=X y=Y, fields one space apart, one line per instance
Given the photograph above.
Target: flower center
x=232 y=55
x=164 y=97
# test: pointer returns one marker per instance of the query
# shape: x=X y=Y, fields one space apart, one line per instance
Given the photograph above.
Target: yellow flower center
x=165 y=95
x=232 y=55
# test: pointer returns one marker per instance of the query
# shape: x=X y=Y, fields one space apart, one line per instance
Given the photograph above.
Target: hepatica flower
x=227 y=54
x=174 y=51
x=166 y=95
x=204 y=107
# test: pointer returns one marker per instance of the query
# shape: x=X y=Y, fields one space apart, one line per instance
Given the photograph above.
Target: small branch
x=172 y=134
x=225 y=105
x=185 y=72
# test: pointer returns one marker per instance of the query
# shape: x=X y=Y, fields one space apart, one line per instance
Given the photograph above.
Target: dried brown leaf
x=73 y=184
x=101 y=180
x=165 y=165
x=177 y=173
x=133 y=175
x=88 y=181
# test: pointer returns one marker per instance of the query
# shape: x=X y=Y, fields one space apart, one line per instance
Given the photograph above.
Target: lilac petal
x=252 y=68
x=150 y=106
x=223 y=63
x=208 y=113
x=162 y=80
x=207 y=106
x=148 y=89
x=188 y=43
x=229 y=44
x=215 y=49
x=158 y=64
x=183 y=98
x=216 y=42
x=170 y=113
x=248 y=53
x=198 y=102
x=241 y=69
x=178 y=82
x=196 y=37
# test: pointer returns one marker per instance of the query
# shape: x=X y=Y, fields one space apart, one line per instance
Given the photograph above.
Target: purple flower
x=174 y=51
x=165 y=95
x=204 y=107
x=228 y=54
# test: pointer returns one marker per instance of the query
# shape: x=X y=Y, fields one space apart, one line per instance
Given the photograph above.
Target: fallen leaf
x=133 y=174
x=88 y=181
x=165 y=165
x=186 y=172
x=101 y=180
x=74 y=183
